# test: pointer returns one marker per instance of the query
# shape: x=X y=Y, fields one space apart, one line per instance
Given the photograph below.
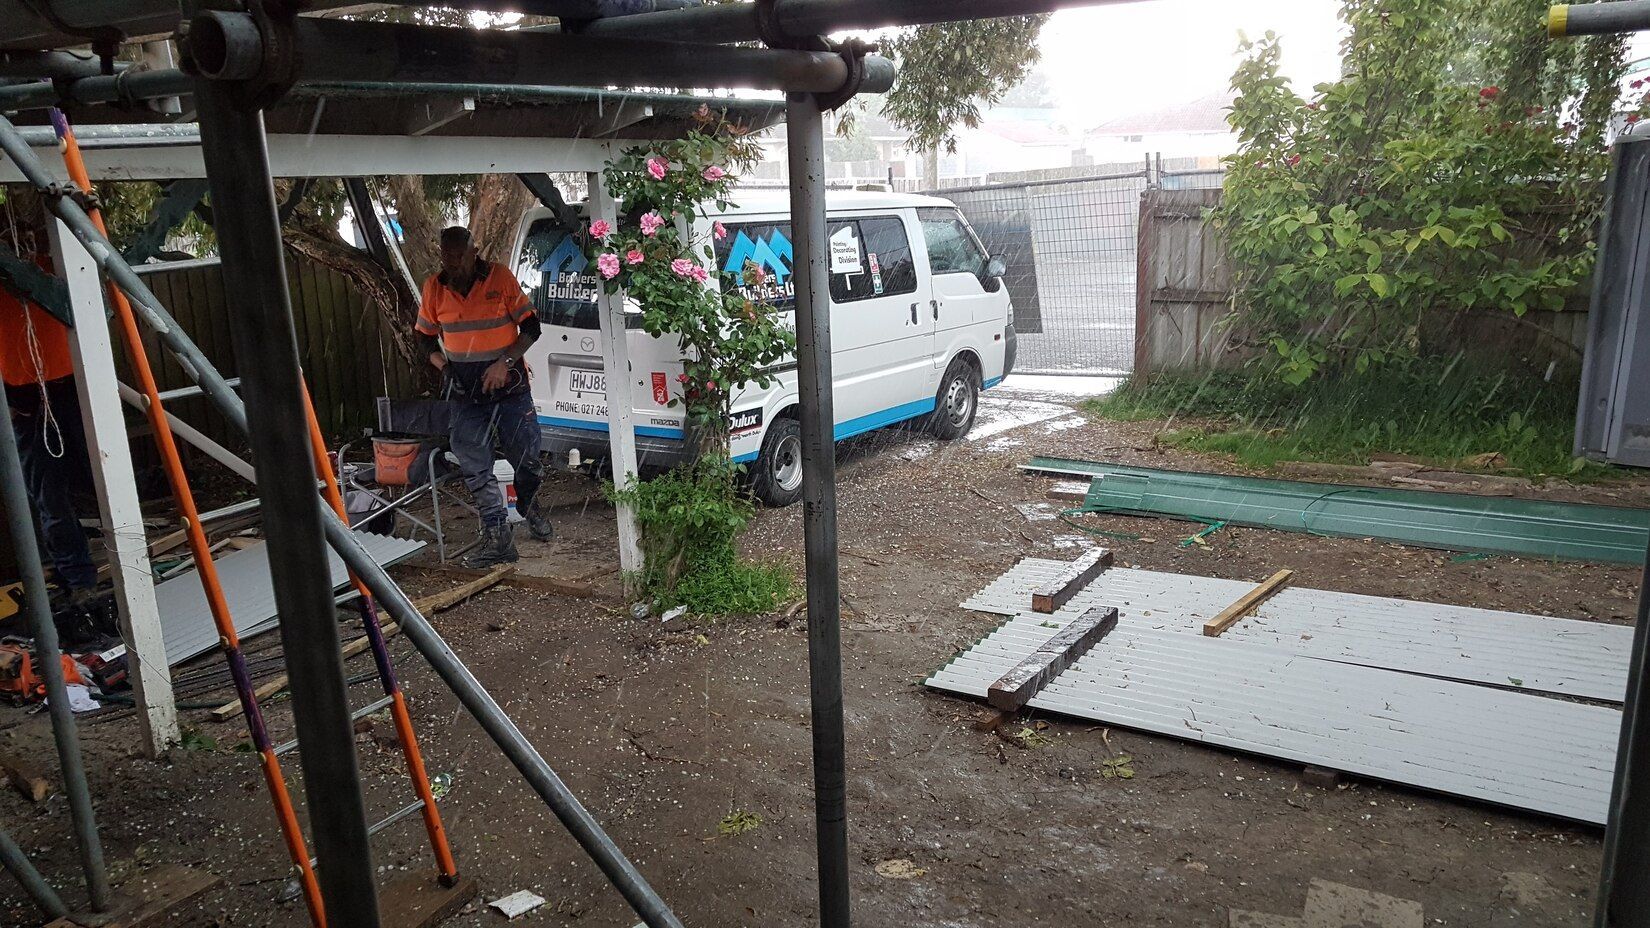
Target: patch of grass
x=738 y=822
x=730 y=586
x=1445 y=413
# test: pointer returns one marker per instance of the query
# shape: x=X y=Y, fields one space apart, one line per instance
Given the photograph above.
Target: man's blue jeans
x=52 y=479
x=511 y=425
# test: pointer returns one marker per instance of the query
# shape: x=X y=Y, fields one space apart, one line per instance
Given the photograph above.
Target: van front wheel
x=776 y=477
x=957 y=402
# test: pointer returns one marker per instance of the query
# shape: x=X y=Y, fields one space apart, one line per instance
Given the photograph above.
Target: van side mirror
x=995 y=267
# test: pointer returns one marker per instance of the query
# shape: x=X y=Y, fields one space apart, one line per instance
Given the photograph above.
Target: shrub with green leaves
x=688 y=518
x=1456 y=165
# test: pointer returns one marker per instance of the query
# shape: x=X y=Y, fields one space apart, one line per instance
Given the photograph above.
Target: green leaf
x=1379 y=284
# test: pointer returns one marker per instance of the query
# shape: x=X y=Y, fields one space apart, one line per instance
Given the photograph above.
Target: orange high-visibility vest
x=17 y=361
x=480 y=325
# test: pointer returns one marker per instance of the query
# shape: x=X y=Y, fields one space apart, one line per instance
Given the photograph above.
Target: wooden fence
x=1183 y=302
x=343 y=343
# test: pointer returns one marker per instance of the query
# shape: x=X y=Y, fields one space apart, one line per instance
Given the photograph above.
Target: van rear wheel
x=776 y=477
x=957 y=402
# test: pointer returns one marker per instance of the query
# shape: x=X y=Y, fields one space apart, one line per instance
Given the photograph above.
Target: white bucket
x=506 y=477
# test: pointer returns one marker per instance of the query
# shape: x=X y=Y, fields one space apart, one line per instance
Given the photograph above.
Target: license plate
x=587 y=382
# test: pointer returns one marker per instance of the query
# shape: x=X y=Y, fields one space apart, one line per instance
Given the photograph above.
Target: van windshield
x=552 y=269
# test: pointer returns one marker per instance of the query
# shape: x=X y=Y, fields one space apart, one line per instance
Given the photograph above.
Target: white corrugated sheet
x=1510 y=649
x=186 y=621
x=1498 y=746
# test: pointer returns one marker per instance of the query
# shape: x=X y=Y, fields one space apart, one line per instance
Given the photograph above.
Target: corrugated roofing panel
x=1512 y=649
x=1452 y=521
x=1497 y=746
x=186 y=621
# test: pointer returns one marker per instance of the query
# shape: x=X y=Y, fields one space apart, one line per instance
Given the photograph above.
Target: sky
x=1108 y=61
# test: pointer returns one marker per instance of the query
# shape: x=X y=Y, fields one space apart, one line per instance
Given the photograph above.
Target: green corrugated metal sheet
x=1452 y=521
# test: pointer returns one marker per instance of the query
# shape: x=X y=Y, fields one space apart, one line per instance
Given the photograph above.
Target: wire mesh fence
x=1070 y=245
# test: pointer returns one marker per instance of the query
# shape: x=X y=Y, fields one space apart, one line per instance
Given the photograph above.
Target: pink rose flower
x=714 y=173
x=682 y=267
x=657 y=168
x=608 y=264
x=633 y=256
x=755 y=275
x=601 y=229
x=651 y=223
x=681 y=378
x=699 y=274
x=719 y=230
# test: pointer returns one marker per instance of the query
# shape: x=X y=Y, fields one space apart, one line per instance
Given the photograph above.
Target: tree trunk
x=383 y=289
x=499 y=202
x=931 y=169
x=420 y=226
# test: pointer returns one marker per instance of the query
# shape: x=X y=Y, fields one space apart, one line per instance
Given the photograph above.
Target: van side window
x=768 y=246
x=845 y=256
x=952 y=248
x=888 y=256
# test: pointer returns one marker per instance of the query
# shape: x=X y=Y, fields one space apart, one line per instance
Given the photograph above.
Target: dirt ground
x=662 y=729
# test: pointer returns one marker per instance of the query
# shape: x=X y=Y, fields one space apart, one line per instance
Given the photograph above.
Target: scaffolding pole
x=14 y=499
x=249 y=239
x=17 y=863
x=804 y=126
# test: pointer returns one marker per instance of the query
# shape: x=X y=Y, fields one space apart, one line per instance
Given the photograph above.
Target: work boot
x=538 y=523
x=498 y=546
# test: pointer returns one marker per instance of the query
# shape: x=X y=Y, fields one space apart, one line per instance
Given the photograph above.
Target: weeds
x=689 y=518
x=1443 y=412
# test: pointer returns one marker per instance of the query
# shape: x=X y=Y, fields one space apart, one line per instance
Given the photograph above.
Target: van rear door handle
x=913 y=314
x=936 y=305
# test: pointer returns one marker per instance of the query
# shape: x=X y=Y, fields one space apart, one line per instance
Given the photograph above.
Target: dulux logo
x=773 y=254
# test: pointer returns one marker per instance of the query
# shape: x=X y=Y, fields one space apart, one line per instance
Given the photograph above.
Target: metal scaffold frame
x=242 y=64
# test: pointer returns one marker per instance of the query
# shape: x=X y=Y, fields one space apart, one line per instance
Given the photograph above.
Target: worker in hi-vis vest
x=38 y=371
x=477 y=324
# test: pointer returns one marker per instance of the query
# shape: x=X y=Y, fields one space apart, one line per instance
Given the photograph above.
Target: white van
x=920 y=323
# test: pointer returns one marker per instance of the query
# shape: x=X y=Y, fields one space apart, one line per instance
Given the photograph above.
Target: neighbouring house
x=1007 y=139
x=1195 y=129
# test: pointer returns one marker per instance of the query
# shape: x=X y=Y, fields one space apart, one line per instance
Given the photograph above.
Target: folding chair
x=410 y=463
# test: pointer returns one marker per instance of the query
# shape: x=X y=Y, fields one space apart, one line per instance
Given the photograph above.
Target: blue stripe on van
x=877 y=420
x=651 y=431
x=849 y=429
x=991 y=383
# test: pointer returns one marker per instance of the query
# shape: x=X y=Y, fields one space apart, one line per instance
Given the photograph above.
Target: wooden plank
x=113 y=477
x=417 y=901
x=1189 y=295
x=1246 y=604
x=559 y=585
x=428 y=605
x=1026 y=679
x=1055 y=593
x=26 y=778
x=148 y=900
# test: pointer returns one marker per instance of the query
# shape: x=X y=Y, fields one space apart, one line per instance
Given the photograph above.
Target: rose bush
x=690 y=517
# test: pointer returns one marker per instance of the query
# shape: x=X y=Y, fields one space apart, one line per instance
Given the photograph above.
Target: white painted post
x=117 y=499
x=621 y=387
